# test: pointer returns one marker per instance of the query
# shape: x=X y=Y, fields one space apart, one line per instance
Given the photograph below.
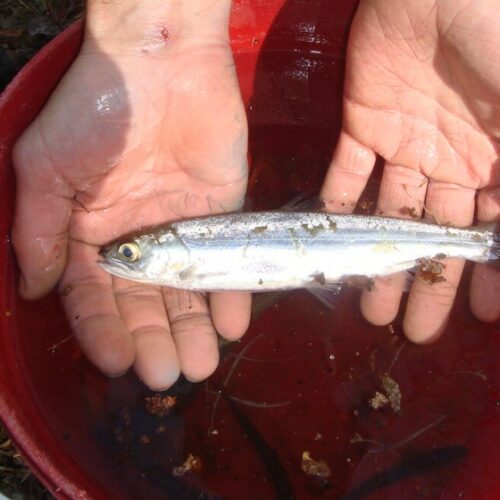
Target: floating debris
x=145 y=439
x=411 y=211
x=357 y=438
x=361 y=282
x=316 y=468
x=365 y=205
x=431 y=271
x=379 y=400
x=393 y=391
x=160 y=405
x=191 y=464
x=55 y=347
x=66 y=291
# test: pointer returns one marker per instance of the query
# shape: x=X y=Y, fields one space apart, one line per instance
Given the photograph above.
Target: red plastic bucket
x=62 y=414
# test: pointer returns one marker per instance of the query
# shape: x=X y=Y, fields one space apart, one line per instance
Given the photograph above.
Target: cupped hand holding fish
x=139 y=131
x=422 y=90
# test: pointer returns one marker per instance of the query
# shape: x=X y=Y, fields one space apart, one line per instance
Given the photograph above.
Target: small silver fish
x=280 y=250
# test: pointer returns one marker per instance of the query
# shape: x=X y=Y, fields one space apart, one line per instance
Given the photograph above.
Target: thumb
x=41 y=220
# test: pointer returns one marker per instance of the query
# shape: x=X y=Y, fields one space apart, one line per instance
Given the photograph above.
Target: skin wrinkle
x=440 y=200
x=434 y=33
x=422 y=93
x=475 y=125
x=96 y=246
x=461 y=118
x=391 y=156
x=344 y=168
x=107 y=204
x=78 y=323
x=405 y=141
x=147 y=292
x=405 y=38
x=415 y=39
x=456 y=15
x=81 y=282
x=210 y=207
x=204 y=50
x=147 y=330
x=190 y=321
x=178 y=205
x=441 y=295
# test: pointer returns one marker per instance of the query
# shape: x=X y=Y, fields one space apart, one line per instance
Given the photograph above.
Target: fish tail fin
x=327 y=294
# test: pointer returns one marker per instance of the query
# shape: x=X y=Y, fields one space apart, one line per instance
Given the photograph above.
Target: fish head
x=145 y=258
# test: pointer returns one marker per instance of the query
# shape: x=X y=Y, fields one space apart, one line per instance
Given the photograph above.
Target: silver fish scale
x=277 y=225
x=284 y=250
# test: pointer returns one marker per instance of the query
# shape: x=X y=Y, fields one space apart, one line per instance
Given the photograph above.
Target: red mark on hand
x=164 y=33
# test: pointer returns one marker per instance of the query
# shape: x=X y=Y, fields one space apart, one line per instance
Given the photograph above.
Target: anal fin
x=325 y=292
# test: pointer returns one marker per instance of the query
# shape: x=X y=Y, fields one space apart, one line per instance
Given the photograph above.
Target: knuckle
x=188 y=322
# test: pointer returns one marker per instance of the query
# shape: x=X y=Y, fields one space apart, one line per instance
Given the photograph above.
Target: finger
x=41 y=219
x=87 y=295
x=347 y=175
x=231 y=313
x=380 y=303
x=143 y=310
x=485 y=293
x=401 y=194
x=485 y=281
x=193 y=332
x=429 y=305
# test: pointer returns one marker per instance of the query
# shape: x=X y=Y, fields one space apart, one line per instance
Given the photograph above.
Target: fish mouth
x=116 y=268
x=121 y=270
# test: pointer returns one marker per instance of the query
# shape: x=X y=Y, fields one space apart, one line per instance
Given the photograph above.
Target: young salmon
x=285 y=250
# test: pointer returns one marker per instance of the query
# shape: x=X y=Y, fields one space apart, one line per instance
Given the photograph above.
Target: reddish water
x=306 y=381
x=309 y=374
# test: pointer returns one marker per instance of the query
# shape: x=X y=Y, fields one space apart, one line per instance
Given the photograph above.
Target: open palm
x=125 y=142
x=422 y=90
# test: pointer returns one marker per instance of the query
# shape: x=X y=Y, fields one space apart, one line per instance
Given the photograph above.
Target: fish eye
x=129 y=251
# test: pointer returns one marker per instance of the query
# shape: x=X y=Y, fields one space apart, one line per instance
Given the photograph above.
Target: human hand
x=147 y=126
x=422 y=90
